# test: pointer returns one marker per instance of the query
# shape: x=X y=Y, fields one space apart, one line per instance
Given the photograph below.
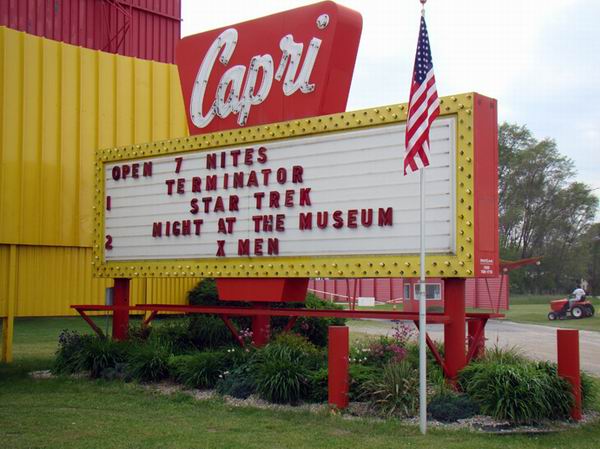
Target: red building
x=481 y=293
x=146 y=29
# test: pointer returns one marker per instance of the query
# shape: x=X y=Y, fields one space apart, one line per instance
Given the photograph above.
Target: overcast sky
x=539 y=58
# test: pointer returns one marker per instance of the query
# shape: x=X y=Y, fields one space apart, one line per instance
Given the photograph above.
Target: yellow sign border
x=460 y=264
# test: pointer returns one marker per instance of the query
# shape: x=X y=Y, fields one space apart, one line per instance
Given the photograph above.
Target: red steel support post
x=476 y=330
x=339 y=348
x=568 y=364
x=454 y=331
x=261 y=329
x=121 y=309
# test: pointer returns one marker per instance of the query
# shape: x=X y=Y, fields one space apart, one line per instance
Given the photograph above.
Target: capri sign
x=318 y=197
x=280 y=67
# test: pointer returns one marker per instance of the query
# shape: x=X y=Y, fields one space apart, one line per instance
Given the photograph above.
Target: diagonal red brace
x=93 y=325
x=232 y=329
x=434 y=351
x=475 y=343
x=290 y=324
x=151 y=317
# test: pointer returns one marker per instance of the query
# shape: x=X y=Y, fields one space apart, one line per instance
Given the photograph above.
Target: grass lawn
x=78 y=413
x=534 y=309
x=524 y=309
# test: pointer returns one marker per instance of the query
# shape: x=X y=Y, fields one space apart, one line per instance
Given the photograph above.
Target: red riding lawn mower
x=580 y=309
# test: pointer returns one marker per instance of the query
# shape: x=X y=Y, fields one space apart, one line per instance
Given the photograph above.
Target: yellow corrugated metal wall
x=4 y=261
x=58 y=104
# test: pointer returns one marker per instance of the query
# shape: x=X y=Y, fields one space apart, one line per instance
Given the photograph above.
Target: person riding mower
x=574 y=306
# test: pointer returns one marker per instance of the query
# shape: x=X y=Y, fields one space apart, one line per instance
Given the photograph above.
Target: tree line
x=544 y=212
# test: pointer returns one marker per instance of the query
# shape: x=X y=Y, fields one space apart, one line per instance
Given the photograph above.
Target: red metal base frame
x=225 y=312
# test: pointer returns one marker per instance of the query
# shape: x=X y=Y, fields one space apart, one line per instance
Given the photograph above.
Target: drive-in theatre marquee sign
x=317 y=197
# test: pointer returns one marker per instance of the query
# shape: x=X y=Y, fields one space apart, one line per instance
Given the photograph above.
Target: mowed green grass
x=527 y=309
x=534 y=309
x=80 y=413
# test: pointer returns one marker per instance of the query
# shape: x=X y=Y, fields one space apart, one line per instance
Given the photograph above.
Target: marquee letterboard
x=318 y=197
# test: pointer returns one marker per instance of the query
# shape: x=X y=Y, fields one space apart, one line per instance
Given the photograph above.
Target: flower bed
x=200 y=353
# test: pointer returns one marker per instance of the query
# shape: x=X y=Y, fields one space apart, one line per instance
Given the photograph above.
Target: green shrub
x=520 y=393
x=318 y=385
x=200 y=370
x=396 y=392
x=511 y=355
x=209 y=332
x=281 y=377
x=299 y=347
x=174 y=334
x=379 y=352
x=238 y=383
x=149 y=362
x=101 y=353
x=187 y=334
x=452 y=407
x=359 y=376
x=177 y=365
x=119 y=372
x=412 y=356
x=437 y=382
x=317 y=329
x=589 y=391
x=70 y=355
x=588 y=387
x=138 y=332
x=204 y=293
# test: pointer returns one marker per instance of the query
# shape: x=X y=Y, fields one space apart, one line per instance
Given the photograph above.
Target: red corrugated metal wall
x=488 y=293
x=484 y=293
x=147 y=29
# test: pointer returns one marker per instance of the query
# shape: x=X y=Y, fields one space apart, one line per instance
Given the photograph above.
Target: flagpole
x=422 y=301
x=422 y=316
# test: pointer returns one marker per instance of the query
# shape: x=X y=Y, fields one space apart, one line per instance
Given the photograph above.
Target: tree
x=592 y=243
x=542 y=213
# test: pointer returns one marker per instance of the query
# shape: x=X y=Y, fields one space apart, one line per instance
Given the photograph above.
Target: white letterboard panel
x=360 y=170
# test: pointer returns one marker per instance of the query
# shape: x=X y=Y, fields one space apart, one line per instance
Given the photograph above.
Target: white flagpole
x=422 y=316
x=422 y=303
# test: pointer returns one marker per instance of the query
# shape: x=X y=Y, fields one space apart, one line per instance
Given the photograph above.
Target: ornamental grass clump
x=280 y=378
x=98 y=355
x=359 y=375
x=285 y=369
x=299 y=348
x=209 y=332
x=173 y=334
x=395 y=392
x=71 y=352
x=200 y=370
x=521 y=393
x=101 y=354
x=149 y=362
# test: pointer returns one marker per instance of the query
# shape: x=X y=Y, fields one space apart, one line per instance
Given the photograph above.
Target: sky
x=539 y=58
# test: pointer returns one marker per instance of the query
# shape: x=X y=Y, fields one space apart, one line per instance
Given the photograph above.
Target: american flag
x=423 y=106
